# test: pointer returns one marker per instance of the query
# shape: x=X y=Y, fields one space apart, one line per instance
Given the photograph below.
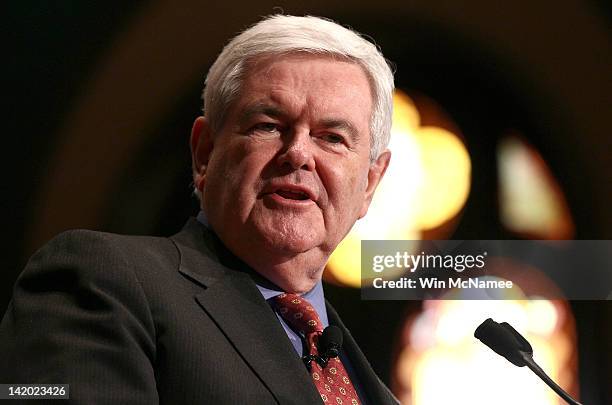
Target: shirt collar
x=315 y=296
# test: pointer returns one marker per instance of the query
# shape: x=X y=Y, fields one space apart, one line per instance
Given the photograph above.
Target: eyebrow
x=261 y=108
x=341 y=124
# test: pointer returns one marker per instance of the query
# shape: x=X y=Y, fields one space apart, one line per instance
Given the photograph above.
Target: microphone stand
x=533 y=366
x=506 y=341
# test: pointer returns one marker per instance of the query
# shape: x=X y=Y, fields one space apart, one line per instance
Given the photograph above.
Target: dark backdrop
x=100 y=97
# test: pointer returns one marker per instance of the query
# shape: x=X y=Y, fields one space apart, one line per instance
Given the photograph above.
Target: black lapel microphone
x=328 y=346
x=504 y=340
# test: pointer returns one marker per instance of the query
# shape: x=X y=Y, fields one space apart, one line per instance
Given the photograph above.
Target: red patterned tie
x=332 y=381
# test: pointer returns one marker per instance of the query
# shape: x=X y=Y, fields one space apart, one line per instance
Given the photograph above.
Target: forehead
x=322 y=83
x=282 y=66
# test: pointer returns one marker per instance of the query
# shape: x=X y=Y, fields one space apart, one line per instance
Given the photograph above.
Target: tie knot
x=298 y=313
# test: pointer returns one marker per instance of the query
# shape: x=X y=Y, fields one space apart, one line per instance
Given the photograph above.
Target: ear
x=201 y=147
x=375 y=174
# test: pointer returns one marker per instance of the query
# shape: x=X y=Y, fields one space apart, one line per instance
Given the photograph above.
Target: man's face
x=289 y=171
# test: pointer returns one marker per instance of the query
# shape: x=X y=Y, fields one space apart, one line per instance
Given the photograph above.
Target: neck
x=292 y=276
x=293 y=272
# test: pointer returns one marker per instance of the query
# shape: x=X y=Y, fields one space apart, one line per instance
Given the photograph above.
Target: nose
x=297 y=151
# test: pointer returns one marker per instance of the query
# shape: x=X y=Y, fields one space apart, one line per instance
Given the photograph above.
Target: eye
x=267 y=127
x=332 y=138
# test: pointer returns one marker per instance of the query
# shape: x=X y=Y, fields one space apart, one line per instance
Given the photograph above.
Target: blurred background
x=501 y=131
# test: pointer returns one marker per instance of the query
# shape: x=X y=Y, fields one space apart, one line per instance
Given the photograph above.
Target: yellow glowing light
x=531 y=201
x=542 y=317
x=446 y=183
x=442 y=362
x=426 y=184
x=345 y=262
x=406 y=117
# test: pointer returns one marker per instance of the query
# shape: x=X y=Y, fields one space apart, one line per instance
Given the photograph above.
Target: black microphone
x=330 y=342
x=504 y=340
x=328 y=346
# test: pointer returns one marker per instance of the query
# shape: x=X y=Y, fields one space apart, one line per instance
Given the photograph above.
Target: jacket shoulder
x=89 y=251
x=79 y=298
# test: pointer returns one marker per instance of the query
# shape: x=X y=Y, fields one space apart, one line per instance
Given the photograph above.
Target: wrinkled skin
x=289 y=173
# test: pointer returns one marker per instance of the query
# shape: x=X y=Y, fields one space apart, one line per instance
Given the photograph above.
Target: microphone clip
x=328 y=346
x=320 y=360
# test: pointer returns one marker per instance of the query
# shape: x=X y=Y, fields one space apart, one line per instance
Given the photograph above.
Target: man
x=297 y=115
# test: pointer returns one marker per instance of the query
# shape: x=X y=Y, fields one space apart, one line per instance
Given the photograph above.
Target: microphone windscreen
x=504 y=340
x=330 y=341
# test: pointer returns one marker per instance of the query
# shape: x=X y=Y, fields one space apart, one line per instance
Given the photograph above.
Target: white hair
x=285 y=34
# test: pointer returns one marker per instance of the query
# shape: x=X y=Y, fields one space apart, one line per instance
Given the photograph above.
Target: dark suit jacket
x=144 y=320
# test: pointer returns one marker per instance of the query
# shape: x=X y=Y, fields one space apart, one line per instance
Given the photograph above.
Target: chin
x=291 y=244
x=291 y=236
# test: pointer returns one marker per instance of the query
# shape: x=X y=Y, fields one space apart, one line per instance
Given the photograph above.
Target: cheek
x=345 y=188
x=236 y=175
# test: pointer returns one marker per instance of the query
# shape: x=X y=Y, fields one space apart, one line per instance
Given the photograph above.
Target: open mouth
x=292 y=195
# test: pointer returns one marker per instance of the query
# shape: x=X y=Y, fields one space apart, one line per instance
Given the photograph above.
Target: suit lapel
x=374 y=388
x=232 y=300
